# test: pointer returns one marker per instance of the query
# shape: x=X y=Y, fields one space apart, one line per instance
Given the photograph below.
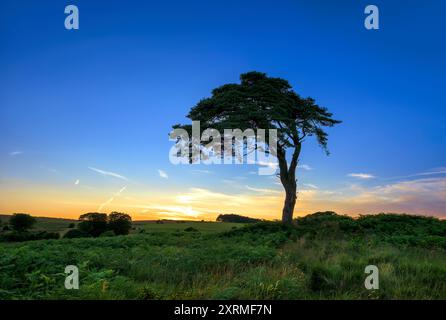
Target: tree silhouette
x=120 y=223
x=93 y=223
x=21 y=221
x=262 y=102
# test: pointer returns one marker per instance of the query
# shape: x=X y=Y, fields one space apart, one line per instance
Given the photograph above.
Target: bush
x=14 y=237
x=71 y=225
x=46 y=235
x=402 y=224
x=21 y=222
x=75 y=233
x=119 y=223
x=108 y=233
x=93 y=223
x=28 y=236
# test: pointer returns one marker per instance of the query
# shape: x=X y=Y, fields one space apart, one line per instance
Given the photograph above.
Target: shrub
x=27 y=236
x=93 y=223
x=15 y=236
x=402 y=224
x=21 y=222
x=46 y=235
x=75 y=233
x=119 y=223
x=108 y=233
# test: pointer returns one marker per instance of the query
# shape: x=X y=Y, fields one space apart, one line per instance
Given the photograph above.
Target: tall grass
x=322 y=257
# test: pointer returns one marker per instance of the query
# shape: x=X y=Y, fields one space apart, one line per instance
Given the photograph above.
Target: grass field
x=62 y=225
x=177 y=226
x=322 y=257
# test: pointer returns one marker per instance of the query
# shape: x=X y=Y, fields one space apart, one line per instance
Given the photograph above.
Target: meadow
x=322 y=256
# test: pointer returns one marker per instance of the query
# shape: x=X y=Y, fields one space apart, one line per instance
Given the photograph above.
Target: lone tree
x=262 y=102
x=21 y=222
x=93 y=223
x=120 y=223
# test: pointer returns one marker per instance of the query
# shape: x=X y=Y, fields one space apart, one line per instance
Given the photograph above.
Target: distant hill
x=45 y=224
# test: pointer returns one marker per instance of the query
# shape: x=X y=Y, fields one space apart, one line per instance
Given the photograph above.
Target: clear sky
x=85 y=114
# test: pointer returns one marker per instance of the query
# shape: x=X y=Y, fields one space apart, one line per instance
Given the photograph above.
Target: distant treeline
x=17 y=229
x=236 y=218
x=92 y=224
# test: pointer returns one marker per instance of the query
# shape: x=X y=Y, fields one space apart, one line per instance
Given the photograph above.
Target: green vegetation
x=94 y=224
x=119 y=223
x=45 y=224
x=21 y=222
x=18 y=229
x=178 y=226
x=322 y=256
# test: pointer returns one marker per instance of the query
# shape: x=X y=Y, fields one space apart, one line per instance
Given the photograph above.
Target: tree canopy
x=262 y=102
x=21 y=222
x=120 y=223
x=93 y=223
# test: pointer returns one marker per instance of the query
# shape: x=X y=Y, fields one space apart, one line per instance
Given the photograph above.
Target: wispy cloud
x=116 y=194
x=108 y=173
x=361 y=175
x=262 y=190
x=163 y=174
x=418 y=196
x=305 y=167
x=439 y=171
x=272 y=162
x=206 y=203
x=429 y=173
x=176 y=212
x=312 y=186
x=15 y=153
x=421 y=196
x=202 y=171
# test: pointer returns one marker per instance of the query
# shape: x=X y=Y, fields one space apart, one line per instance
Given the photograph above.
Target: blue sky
x=105 y=97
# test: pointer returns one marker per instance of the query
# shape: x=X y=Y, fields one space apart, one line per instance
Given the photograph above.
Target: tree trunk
x=288 y=179
x=290 y=202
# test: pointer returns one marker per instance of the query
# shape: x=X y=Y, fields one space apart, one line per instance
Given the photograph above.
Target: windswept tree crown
x=262 y=102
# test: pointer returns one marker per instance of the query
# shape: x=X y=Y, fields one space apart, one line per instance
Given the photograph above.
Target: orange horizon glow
x=198 y=204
